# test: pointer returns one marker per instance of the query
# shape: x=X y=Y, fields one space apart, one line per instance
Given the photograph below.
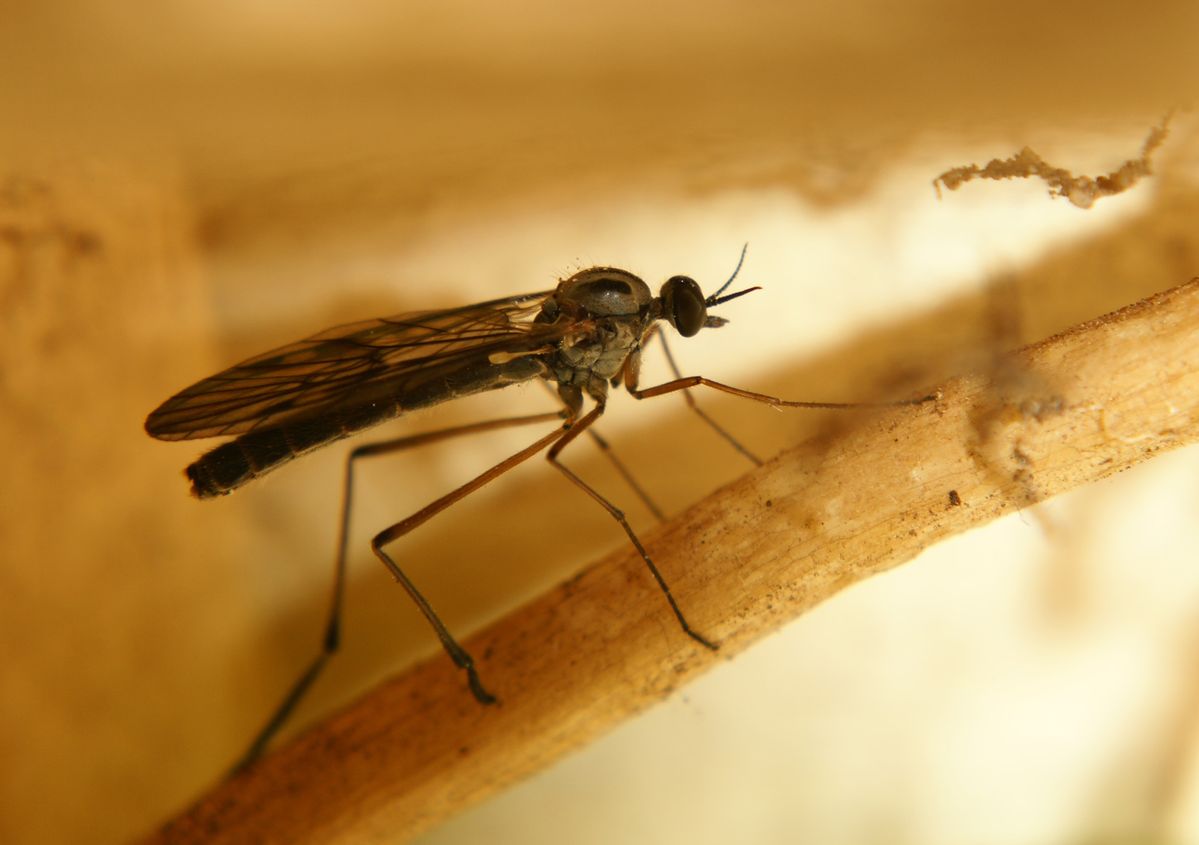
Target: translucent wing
x=352 y=365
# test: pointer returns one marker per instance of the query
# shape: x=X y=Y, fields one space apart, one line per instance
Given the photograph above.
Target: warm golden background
x=185 y=184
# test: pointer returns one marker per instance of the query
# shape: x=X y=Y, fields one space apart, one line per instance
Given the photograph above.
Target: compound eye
x=683 y=305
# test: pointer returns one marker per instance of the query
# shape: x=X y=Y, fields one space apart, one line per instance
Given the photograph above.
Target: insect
x=584 y=336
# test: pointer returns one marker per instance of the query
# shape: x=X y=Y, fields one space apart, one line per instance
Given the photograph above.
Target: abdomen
x=256 y=453
x=245 y=458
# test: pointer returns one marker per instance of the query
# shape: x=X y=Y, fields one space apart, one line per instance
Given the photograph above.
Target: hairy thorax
x=612 y=310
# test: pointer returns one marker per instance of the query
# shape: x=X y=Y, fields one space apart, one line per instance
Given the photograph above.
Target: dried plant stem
x=571 y=665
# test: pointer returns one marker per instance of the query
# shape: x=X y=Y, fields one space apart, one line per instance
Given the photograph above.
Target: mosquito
x=584 y=336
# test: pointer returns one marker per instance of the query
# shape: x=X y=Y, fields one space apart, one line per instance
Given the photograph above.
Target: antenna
x=715 y=299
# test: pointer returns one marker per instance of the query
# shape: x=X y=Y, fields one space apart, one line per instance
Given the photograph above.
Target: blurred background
x=183 y=185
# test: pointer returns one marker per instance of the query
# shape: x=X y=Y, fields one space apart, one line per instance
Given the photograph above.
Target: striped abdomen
x=232 y=464
x=256 y=453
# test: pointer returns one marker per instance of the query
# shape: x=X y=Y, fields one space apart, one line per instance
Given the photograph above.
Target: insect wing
x=353 y=363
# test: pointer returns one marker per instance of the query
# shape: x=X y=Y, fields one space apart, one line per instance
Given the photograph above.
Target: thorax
x=612 y=309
